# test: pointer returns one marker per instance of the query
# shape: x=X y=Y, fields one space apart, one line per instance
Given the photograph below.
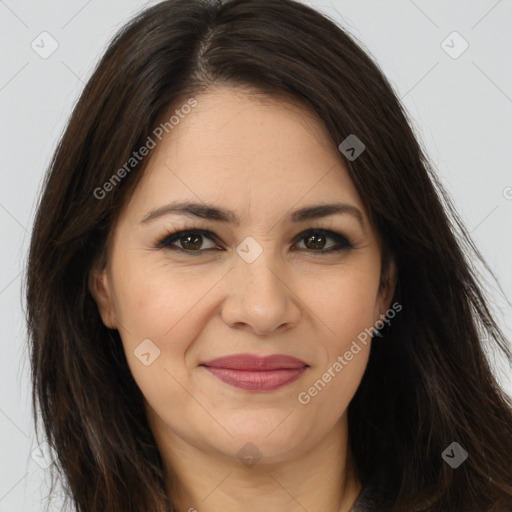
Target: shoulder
x=366 y=501
x=372 y=500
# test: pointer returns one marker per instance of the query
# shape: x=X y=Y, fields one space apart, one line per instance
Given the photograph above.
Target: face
x=256 y=269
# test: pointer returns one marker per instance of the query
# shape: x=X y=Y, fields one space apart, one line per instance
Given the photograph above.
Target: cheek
x=162 y=305
x=332 y=388
x=157 y=325
x=151 y=297
x=347 y=307
x=347 y=304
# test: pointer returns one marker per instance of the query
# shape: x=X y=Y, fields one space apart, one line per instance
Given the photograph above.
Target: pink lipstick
x=254 y=373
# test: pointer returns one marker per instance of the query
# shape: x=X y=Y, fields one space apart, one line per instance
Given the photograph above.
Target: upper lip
x=256 y=363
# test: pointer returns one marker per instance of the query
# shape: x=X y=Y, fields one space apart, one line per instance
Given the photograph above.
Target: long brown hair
x=428 y=382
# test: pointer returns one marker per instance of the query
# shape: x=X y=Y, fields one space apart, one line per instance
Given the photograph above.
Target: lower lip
x=268 y=380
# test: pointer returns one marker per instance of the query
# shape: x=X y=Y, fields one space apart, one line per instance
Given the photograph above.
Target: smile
x=254 y=373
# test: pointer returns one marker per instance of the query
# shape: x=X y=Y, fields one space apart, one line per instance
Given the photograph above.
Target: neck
x=320 y=479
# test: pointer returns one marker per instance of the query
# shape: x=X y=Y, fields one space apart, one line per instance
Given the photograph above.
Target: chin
x=261 y=445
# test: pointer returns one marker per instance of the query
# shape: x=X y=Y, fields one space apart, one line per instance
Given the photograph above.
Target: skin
x=262 y=158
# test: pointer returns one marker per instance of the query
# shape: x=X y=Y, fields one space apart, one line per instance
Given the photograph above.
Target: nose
x=260 y=297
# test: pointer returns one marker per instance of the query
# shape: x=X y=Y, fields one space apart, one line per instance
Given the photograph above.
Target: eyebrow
x=203 y=211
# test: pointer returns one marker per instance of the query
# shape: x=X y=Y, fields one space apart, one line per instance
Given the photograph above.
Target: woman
x=245 y=290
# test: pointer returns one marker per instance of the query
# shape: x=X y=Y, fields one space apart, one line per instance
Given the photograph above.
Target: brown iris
x=315 y=241
x=191 y=241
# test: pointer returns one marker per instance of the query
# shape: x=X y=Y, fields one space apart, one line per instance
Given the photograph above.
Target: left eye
x=316 y=240
x=191 y=241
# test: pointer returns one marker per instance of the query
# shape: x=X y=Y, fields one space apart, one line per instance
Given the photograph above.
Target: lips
x=256 y=373
x=256 y=363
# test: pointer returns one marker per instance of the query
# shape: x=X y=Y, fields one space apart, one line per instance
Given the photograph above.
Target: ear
x=99 y=287
x=387 y=286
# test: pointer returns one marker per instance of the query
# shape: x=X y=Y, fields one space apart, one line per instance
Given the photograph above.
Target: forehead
x=235 y=148
x=239 y=124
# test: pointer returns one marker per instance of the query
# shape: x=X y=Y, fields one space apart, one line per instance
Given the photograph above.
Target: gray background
x=461 y=109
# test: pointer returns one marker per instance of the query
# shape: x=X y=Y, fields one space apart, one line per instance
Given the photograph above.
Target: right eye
x=190 y=239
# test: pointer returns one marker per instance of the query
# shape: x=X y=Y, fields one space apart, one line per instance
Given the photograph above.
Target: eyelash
x=170 y=237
